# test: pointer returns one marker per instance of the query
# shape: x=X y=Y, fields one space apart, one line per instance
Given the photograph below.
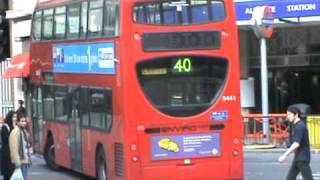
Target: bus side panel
x=90 y=141
x=61 y=141
x=88 y=153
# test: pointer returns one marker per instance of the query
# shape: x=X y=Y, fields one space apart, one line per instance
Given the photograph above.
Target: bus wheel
x=101 y=166
x=49 y=154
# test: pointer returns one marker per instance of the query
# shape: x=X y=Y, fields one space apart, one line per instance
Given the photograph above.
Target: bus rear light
x=235 y=153
x=133 y=147
x=135 y=159
x=236 y=141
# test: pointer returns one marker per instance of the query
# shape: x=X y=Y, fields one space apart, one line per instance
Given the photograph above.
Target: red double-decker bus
x=137 y=89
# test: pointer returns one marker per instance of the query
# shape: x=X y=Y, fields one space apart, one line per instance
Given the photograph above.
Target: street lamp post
x=264 y=89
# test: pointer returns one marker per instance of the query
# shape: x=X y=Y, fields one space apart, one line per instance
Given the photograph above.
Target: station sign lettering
x=280 y=9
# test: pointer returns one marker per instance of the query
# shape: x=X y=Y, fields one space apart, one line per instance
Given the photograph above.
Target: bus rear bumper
x=216 y=171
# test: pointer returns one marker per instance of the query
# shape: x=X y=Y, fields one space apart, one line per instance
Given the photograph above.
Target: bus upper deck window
x=73 y=21
x=95 y=17
x=218 y=11
x=60 y=22
x=200 y=11
x=181 y=12
x=84 y=19
x=37 y=26
x=111 y=19
x=47 y=30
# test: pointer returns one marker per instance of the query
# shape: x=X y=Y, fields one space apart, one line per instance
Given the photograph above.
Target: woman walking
x=7 y=167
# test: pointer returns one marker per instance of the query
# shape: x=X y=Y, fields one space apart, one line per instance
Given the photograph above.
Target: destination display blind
x=166 y=41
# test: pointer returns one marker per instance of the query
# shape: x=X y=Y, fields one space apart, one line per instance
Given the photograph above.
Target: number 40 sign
x=183 y=65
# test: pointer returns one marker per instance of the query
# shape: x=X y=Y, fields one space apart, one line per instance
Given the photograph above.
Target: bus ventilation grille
x=119 y=160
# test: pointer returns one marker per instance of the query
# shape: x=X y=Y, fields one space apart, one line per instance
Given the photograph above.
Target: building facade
x=293 y=53
x=19 y=16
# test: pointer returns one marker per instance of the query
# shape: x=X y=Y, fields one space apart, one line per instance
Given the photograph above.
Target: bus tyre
x=101 y=166
x=49 y=154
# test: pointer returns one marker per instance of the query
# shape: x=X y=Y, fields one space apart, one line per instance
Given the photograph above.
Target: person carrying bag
x=17 y=174
x=19 y=147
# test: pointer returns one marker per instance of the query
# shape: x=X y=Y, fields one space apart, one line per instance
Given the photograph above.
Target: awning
x=19 y=67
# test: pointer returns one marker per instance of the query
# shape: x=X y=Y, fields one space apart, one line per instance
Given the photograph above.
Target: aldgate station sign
x=280 y=9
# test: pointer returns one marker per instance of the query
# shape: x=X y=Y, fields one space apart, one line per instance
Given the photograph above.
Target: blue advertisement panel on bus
x=90 y=58
x=280 y=9
x=185 y=146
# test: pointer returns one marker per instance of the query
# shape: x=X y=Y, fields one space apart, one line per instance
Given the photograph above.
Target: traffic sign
x=262 y=21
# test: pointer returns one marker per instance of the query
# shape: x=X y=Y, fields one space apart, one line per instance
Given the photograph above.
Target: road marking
x=36 y=173
x=315 y=176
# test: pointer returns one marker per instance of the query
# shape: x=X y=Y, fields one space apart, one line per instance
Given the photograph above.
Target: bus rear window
x=182 y=85
x=179 y=12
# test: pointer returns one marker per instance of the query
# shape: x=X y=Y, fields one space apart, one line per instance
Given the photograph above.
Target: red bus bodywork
x=128 y=147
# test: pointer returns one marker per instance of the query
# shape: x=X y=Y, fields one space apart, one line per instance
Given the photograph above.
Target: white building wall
x=24 y=5
x=19 y=14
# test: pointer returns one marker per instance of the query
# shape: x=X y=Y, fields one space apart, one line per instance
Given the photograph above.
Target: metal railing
x=278 y=128
x=253 y=129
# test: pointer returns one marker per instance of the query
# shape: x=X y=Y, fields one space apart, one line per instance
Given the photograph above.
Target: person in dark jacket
x=300 y=147
x=7 y=167
x=1 y=124
x=21 y=109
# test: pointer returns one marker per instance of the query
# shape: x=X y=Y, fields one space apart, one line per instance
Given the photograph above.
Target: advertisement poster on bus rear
x=90 y=58
x=185 y=146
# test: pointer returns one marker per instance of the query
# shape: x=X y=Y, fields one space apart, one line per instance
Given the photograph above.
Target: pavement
x=269 y=148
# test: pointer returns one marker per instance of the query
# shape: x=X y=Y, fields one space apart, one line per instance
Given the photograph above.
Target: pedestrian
x=19 y=146
x=299 y=145
x=7 y=167
x=1 y=124
x=21 y=109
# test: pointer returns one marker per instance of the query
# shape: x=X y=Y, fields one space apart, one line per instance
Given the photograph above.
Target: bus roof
x=51 y=3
